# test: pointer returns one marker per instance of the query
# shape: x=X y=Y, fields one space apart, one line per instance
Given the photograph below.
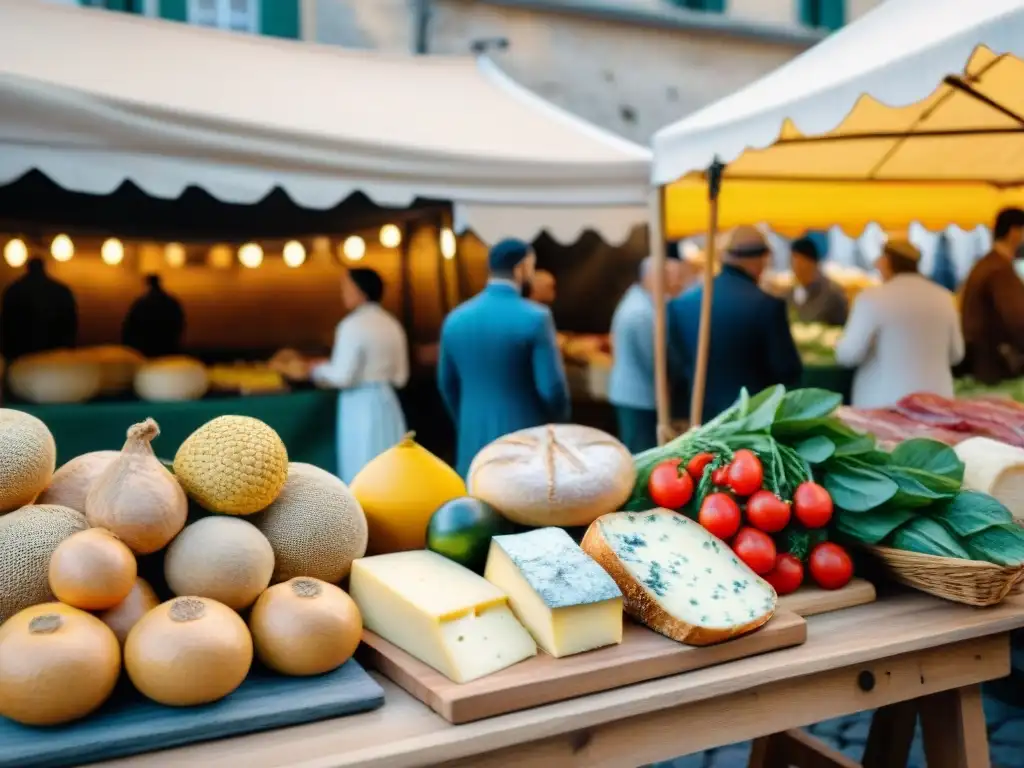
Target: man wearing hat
x=815 y=298
x=500 y=369
x=902 y=336
x=751 y=344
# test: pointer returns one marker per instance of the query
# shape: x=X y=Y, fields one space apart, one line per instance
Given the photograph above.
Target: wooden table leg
x=953 y=729
x=891 y=736
x=796 y=748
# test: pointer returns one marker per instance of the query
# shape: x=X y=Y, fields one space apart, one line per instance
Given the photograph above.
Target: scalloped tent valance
x=913 y=113
x=94 y=98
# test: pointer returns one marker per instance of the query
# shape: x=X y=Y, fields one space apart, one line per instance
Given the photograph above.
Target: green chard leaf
x=807 y=404
x=762 y=408
x=920 y=489
x=928 y=456
x=970 y=512
x=815 y=450
x=857 y=487
x=925 y=536
x=855 y=446
x=871 y=527
x=1001 y=544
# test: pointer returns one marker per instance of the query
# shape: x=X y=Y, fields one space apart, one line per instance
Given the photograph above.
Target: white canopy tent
x=94 y=98
x=913 y=113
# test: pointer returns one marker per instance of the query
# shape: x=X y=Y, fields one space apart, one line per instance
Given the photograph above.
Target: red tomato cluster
x=744 y=513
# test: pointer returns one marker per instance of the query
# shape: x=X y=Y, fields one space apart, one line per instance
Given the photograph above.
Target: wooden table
x=904 y=655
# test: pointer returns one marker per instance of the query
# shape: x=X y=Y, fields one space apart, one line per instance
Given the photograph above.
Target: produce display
x=790 y=484
x=816 y=342
x=74 y=591
x=970 y=388
x=246 y=378
x=996 y=469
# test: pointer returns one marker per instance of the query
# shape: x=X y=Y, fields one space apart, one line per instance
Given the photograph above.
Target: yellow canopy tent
x=881 y=122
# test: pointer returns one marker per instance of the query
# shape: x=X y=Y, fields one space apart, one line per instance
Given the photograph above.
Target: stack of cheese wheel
x=169 y=379
x=63 y=376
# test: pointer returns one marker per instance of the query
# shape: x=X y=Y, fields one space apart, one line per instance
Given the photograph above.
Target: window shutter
x=280 y=18
x=175 y=10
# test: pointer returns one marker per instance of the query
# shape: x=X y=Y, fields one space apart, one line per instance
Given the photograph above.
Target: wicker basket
x=972 y=582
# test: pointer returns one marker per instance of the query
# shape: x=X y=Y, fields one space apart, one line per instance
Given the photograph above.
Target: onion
x=136 y=498
x=71 y=483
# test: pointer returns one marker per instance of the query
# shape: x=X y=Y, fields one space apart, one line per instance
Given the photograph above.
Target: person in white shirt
x=903 y=336
x=369 y=361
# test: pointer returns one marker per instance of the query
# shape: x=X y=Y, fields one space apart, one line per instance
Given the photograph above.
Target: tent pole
x=700 y=373
x=656 y=241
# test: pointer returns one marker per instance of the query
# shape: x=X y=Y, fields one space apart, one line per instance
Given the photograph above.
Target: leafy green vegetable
x=929 y=456
x=856 y=446
x=970 y=512
x=872 y=527
x=762 y=408
x=807 y=404
x=925 y=536
x=800 y=541
x=857 y=487
x=815 y=450
x=1002 y=544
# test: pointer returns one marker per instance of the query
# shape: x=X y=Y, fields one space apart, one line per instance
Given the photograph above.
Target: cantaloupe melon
x=92 y=570
x=28 y=455
x=57 y=664
x=315 y=526
x=28 y=537
x=54 y=377
x=170 y=379
x=188 y=651
x=71 y=483
x=222 y=558
x=305 y=627
x=235 y=465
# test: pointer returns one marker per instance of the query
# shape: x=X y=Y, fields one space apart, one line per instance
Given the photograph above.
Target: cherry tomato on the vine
x=720 y=515
x=745 y=472
x=669 y=485
x=720 y=476
x=830 y=565
x=812 y=505
x=787 y=575
x=756 y=549
x=767 y=512
x=696 y=465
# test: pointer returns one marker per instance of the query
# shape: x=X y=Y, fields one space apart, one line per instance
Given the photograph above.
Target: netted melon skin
x=235 y=465
x=315 y=526
x=28 y=457
x=28 y=537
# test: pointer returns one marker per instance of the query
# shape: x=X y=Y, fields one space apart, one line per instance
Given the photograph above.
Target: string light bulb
x=174 y=255
x=390 y=236
x=354 y=248
x=448 y=244
x=293 y=253
x=220 y=257
x=250 y=255
x=62 y=249
x=15 y=253
x=112 y=252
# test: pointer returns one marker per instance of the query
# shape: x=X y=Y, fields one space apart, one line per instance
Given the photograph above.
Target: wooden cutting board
x=810 y=600
x=643 y=655
x=129 y=724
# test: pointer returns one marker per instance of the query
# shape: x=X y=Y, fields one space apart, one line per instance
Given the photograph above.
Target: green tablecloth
x=830 y=377
x=306 y=422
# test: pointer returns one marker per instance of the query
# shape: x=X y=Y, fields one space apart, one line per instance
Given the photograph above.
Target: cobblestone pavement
x=848 y=734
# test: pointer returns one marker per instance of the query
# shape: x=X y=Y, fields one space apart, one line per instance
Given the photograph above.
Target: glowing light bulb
x=250 y=255
x=62 y=249
x=174 y=254
x=220 y=257
x=390 y=236
x=448 y=243
x=112 y=251
x=354 y=248
x=15 y=253
x=293 y=253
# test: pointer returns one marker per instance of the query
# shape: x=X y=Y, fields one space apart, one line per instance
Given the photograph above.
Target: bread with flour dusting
x=559 y=474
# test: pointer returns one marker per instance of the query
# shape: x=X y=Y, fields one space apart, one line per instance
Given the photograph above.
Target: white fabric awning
x=94 y=98
x=915 y=112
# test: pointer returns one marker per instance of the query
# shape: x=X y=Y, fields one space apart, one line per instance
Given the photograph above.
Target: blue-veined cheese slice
x=441 y=613
x=566 y=600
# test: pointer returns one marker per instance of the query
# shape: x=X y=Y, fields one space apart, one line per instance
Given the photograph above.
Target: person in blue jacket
x=751 y=343
x=500 y=369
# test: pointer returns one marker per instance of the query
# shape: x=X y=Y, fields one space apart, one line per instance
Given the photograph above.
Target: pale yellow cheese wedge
x=995 y=468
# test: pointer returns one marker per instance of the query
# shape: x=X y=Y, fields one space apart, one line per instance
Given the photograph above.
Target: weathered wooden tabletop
x=904 y=647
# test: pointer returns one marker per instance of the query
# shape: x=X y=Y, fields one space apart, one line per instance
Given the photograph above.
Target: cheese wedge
x=994 y=468
x=677 y=578
x=566 y=600
x=441 y=613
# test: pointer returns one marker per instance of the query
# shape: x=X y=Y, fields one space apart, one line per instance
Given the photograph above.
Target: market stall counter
x=305 y=420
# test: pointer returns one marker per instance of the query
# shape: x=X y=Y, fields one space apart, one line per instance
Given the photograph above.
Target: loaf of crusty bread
x=678 y=579
x=559 y=474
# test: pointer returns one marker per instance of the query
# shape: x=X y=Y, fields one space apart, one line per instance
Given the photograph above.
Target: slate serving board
x=130 y=724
